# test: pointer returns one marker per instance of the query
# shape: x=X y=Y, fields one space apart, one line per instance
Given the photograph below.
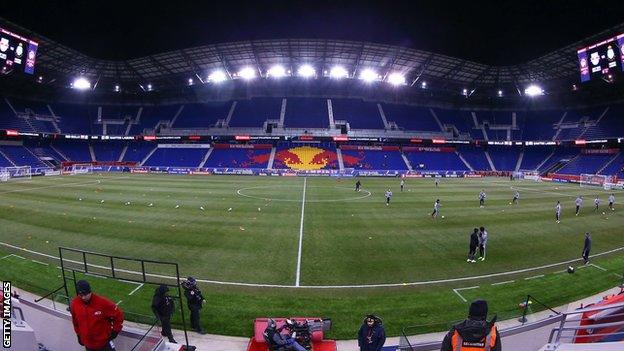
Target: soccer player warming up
x=482 y=197
x=515 y=198
x=358 y=184
x=388 y=197
x=596 y=204
x=436 y=209
x=402 y=184
x=611 y=202
x=558 y=212
x=579 y=203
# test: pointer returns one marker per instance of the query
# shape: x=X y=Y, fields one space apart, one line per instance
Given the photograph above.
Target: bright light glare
x=533 y=90
x=81 y=83
x=149 y=87
x=276 y=71
x=465 y=91
x=396 y=79
x=306 y=71
x=117 y=88
x=369 y=75
x=217 y=76
x=500 y=93
x=338 y=72
x=423 y=85
x=247 y=73
x=190 y=81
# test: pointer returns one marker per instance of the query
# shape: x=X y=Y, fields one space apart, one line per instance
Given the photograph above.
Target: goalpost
x=19 y=172
x=78 y=168
x=596 y=180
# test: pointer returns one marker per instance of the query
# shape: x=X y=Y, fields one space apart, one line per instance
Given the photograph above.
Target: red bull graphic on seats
x=306 y=158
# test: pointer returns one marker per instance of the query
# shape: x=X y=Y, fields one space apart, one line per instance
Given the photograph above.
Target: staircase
x=60 y=153
x=203 y=161
x=271 y=158
x=407 y=162
x=148 y=155
x=383 y=116
x=489 y=159
x=519 y=163
x=559 y=126
x=608 y=163
x=435 y=116
x=230 y=113
x=92 y=152
x=123 y=153
x=7 y=157
x=464 y=161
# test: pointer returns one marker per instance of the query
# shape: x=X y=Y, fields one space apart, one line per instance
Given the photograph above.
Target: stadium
x=329 y=178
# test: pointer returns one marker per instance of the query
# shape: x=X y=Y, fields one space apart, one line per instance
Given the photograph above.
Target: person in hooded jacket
x=372 y=335
x=474 y=333
x=163 y=307
x=278 y=341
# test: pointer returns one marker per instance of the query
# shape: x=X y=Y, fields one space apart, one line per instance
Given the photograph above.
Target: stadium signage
x=428 y=149
x=76 y=136
x=183 y=146
x=340 y=138
x=438 y=141
x=12 y=132
x=149 y=137
x=600 y=151
x=539 y=143
x=242 y=137
x=116 y=137
x=6 y=314
x=306 y=137
x=506 y=143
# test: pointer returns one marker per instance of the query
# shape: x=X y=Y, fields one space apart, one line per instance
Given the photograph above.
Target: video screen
x=602 y=58
x=17 y=53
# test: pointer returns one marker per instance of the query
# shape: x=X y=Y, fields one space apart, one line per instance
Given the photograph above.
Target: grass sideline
x=405 y=244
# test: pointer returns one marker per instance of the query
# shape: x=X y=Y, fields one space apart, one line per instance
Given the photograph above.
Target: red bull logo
x=306 y=158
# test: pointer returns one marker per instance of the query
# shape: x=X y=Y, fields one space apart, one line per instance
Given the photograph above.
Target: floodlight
x=500 y=93
x=465 y=92
x=533 y=90
x=423 y=85
x=217 y=76
x=396 y=78
x=149 y=87
x=276 y=71
x=81 y=83
x=190 y=81
x=338 y=72
x=306 y=71
x=247 y=73
x=117 y=88
x=368 y=75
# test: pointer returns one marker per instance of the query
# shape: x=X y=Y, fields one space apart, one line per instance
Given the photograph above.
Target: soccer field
x=314 y=246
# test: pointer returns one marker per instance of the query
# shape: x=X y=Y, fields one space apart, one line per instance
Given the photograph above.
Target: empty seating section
x=585 y=164
x=538 y=125
x=4 y=162
x=8 y=119
x=137 y=151
x=373 y=160
x=492 y=121
x=151 y=115
x=560 y=155
x=306 y=157
x=615 y=166
x=504 y=159
x=238 y=158
x=75 y=119
x=77 y=151
x=21 y=156
x=202 y=115
x=108 y=151
x=307 y=113
x=176 y=157
x=462 y=120
x=411 y=117
x=45 y=151
x=360 y=114
x=435 y=161
x=533 y=156
x=476 y=158
x=254 y=112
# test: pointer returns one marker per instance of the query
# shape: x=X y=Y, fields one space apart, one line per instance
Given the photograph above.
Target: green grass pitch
x=349 y=239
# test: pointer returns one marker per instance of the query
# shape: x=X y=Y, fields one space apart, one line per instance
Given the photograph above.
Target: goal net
x=595 y=180
x=20 y=172
x=78 y=168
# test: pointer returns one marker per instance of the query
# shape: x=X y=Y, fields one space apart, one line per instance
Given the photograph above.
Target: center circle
x=248 y=192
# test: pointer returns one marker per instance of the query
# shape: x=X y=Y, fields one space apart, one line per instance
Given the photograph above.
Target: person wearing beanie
x=195 y=301
x=372 y=335
x=97 y=320
x=163 y=306
x=475 y=332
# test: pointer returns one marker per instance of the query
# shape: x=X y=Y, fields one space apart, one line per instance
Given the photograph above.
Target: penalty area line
x=457 y=290
x=303 y=199
x=136 y=289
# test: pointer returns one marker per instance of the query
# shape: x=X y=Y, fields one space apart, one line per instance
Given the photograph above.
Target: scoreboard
x=602 y=58
x=17 y=53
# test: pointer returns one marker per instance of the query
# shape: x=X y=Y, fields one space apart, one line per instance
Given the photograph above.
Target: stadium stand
x=476 y=158
x=21 y=156
x=74 y=150
x=254 y=112
x=458 y=119
x=614 y=167
x=137 y=151
x=534 y=156
x=558 y=159
x=373 y=158
x=435 y=161
x=411 y=117
x=202 y=115
x=151 y=116
x=75 y=119
x=360 y=114
x=224 y=156
x=108 y=151
x=176 y=157
x=307 y=113
x=585 y=164
x=306 y=156
x=504 y=158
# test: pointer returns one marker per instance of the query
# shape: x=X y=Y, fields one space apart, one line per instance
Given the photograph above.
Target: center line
x=298 y=276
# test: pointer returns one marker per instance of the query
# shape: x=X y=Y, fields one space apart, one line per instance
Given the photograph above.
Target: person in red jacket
x=97 y=320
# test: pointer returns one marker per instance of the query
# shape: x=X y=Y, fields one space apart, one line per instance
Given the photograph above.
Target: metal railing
x=570 y=329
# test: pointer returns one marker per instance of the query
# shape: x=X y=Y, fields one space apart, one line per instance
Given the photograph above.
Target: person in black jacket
x=163 y=307
x=587 y=247
x=195 y=300
x=474 y=243
x=372 y=335
x=474 y=333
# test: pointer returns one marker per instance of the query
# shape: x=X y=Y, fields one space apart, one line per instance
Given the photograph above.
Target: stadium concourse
x=235 y=185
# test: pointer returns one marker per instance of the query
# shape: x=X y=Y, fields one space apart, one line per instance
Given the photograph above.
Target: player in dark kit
x=474 y=243
x=587 y=247
x=358 y=184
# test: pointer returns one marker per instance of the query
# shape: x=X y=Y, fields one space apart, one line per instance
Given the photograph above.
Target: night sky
x=500 y=32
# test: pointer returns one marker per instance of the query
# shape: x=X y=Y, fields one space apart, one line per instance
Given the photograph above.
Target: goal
x=78 y=168
x=20 y=172
x=595 y=180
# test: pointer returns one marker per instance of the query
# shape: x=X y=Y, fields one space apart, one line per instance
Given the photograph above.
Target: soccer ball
x=603 y=213
x=442 y=217
x=570 y=269
x=230 y=209
x=177 y=206
x=202 y=208
x=510 y=203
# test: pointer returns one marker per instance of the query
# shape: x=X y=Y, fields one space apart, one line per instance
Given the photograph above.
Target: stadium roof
x=59 y=64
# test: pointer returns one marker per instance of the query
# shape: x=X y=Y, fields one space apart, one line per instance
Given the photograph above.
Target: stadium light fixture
x=423 y=85
x=368 y=75
x=149 y=87
x=500 y=93
x=533 y=90
x=465 y=92
x=117 y=88
x=306 y=71
x=217 y=76
x=247 y=73
x=81 y=83
x=277 y=71
x=338 y=72
x=396 y=79
x=190 y=81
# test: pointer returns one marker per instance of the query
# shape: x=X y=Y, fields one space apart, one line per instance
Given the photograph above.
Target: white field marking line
x=59 y=185
x=505 y=282
x=240 y=192
x=457 y=290
x=7 y=256
x=535 y=277
x=386 y=285
x=135 y=289
x=303 y=199
x=118 y=302
x=41 y=263
x=597 y=266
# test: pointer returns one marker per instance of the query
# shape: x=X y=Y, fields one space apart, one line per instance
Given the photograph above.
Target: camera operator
x=372 y=335
x=278 y=341
x=195 y=300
